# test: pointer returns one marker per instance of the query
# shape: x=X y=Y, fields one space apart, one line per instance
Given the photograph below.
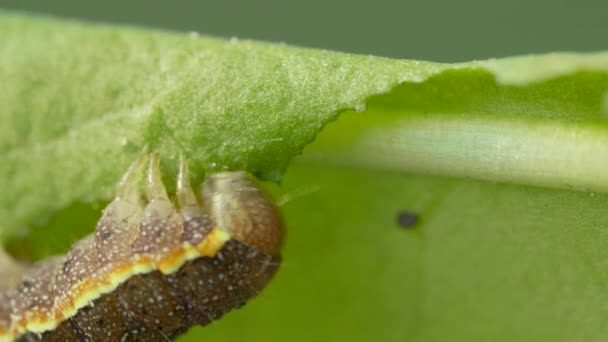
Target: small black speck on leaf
x=407 y=219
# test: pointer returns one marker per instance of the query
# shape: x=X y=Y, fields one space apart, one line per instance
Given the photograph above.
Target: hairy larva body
x=152 y=268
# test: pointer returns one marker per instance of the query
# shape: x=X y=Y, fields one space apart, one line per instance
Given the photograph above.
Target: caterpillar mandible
x=152 y=268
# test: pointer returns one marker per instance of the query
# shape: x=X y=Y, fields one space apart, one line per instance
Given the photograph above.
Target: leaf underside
x=503 y=160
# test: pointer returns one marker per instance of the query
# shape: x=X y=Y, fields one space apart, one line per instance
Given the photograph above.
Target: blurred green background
x=430 y=30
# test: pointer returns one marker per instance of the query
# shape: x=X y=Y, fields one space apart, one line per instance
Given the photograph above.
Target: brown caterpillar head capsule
x=239 y=207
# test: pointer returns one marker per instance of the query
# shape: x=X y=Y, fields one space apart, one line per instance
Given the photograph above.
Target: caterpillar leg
x=161 y=227
x=117 y=228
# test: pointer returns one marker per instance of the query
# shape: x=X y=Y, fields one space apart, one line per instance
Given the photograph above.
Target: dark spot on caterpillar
x=27 y=283
x=151 y=270
x=407 y=219
x=106 y=235
x=66 y=265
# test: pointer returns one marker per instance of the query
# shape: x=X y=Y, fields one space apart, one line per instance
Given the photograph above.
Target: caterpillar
x=153 y=267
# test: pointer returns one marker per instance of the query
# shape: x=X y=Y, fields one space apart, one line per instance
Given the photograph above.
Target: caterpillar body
x=153 y=268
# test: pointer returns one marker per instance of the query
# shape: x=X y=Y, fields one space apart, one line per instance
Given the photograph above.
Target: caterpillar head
x=239 y=207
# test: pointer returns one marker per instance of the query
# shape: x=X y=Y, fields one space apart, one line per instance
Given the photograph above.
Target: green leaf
x=517 y=260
